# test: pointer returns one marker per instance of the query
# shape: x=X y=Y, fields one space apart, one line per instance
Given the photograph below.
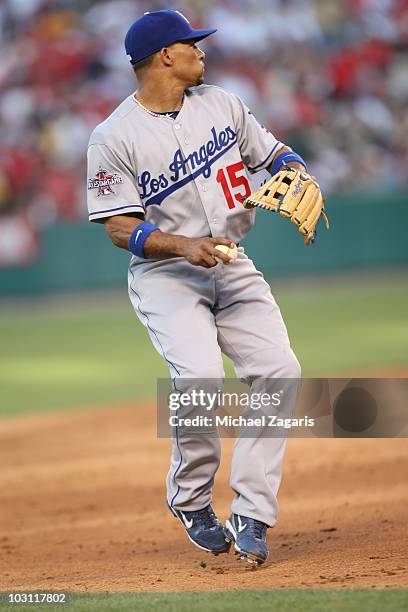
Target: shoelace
x=257 y=528
x=205 y=516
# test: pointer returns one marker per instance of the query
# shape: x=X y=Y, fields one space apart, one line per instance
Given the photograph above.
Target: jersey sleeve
x=256 y=143
x=111 y=184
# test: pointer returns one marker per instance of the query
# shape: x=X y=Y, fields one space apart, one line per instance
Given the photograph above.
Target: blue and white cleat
x=249 y=537
x=203 y=529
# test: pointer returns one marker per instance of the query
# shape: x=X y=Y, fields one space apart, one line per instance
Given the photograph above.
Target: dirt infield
x=83 y=509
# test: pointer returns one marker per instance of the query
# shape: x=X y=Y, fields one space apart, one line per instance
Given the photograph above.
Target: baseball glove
x=295 y=195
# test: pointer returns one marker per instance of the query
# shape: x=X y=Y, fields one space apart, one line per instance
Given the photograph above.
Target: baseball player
x=169 y=170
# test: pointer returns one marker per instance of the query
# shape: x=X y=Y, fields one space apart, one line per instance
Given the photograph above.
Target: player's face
x=188 y=63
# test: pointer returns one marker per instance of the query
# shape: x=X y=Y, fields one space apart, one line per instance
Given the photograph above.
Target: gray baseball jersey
x=189 y=176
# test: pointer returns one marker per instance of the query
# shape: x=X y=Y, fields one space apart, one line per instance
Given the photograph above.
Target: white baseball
x=232 y=252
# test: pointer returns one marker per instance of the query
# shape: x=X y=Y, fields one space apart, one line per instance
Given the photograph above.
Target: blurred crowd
x=328 y=77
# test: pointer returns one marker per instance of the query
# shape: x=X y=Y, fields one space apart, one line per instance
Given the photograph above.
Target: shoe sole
x=215 y=553
x=252 y=559
x=221 y=552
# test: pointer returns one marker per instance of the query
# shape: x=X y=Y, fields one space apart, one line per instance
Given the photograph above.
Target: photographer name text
x=240 y=421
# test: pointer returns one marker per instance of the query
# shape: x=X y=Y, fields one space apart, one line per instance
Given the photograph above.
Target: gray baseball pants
x=194 y=314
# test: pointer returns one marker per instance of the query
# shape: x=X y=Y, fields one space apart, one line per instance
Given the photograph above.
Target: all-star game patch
x=103 y=182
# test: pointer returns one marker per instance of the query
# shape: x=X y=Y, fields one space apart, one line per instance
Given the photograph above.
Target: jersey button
x=177 y=126
x=204 y=188
x=186 y=140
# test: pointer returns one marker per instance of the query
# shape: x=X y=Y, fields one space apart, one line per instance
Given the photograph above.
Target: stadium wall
x=367 y=231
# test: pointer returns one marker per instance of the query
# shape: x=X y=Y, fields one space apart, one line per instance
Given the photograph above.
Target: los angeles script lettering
x=179 y=166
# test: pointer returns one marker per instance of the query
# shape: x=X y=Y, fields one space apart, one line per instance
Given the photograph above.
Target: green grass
x=63 y=355
x=354 y=323
x=81 y=352
x=282 y=600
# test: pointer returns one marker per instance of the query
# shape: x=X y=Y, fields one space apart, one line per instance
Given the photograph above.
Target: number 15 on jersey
x=234 y=183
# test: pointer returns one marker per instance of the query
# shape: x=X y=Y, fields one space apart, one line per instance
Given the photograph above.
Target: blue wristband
x=285 y=158
x=139 y=237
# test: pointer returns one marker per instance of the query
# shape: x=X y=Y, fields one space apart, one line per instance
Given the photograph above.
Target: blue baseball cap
x=159 y=29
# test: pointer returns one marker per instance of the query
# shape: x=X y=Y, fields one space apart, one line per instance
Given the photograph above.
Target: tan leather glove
x=293 y=194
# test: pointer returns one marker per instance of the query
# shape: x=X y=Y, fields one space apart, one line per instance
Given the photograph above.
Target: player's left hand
x=293 y=194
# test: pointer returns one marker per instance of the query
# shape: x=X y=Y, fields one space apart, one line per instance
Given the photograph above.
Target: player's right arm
x=159 y=245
